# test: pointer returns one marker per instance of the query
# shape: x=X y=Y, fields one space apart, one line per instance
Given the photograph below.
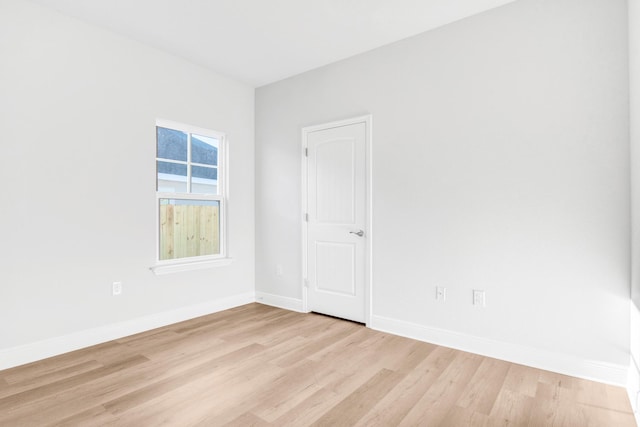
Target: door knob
x=358 y=233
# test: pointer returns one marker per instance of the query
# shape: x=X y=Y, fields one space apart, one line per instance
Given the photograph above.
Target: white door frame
x=368 y=121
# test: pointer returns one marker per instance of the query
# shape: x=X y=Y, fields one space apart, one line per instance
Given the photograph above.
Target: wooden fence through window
x=189 y=230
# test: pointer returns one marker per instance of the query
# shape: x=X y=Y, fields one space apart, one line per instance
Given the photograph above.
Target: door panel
x=336 y=203
x=334 y=166
x=335 y=266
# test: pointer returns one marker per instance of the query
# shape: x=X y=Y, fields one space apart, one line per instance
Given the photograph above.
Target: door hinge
x=306 y=217
x=306 y=283
x=306 y=152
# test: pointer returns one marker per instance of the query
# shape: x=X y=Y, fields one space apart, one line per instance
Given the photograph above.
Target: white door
x=337 y=220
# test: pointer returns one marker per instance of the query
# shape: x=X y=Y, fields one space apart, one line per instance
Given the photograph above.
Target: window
x=190 y=193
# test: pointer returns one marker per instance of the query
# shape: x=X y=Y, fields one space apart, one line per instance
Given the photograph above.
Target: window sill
x=162 y=269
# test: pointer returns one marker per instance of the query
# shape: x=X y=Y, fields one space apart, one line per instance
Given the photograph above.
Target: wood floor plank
x=284 y=396
x=51 y=389
x=256 y=330
x=151 y=342
x=392 y=353
x=570 y=414
x=349 y=344
x=418 y=352
x=134 y=398
x=260 y=365
x=216 y=395
x=484 y=386
x=305 y=327
x=19 y=408
x=322 y=323
x=597 y=395
x=350 y=361
x=549 y=412
x=522 y=379
x=357 y=404
x=97 y=416
x=434 y=406
x=616 y=398
x=208 y=397
x=551 y=386
x=270 y=400
x=555 y=379
x=310 y=409
x=248 y=420
x=105 y=352
x=29 y=383
x=186 y=345
x=599 y=416
x=467 y=417
x=512 y=408
x=107 y=388
x=321 y=341
x=391 y=409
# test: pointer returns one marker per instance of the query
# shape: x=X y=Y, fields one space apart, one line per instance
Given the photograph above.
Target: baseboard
x=287 y=303
x=592 y=370
x=28 y=353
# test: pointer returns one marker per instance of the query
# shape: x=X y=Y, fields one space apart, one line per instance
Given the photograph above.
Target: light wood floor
x=262 y=366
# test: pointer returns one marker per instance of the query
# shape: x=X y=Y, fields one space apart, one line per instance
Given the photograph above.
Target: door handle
x=358 y=233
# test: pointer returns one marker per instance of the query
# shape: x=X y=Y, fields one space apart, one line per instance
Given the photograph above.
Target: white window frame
x=205 y=261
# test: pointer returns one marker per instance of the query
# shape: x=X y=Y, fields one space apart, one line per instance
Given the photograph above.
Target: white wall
x=500 y=160
x=634 y=90
x=77 y=126
x=634 y=74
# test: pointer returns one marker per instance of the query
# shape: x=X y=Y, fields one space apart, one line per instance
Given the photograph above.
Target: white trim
x=369 y=195
x=55 y=346
x=286 y=303
x=189 y=172
x=368 y=121
x=169 y=124
x=193 y=196
x=222 y=185
x=322 y=126
x=177 y=267
x=304 y=215
x=609 y=373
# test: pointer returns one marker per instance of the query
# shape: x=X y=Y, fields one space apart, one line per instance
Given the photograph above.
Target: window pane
x=171 y=144
x=204 y=150
x=189 y=228
x=172 y=177
x=204 y=180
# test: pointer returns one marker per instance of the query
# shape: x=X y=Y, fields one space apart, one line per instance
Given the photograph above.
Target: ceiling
x=262 y=41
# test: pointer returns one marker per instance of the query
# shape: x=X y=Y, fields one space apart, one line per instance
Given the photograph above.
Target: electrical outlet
x=116 y=288
x=441 y=293
x=279 y=271
x=478 y=298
